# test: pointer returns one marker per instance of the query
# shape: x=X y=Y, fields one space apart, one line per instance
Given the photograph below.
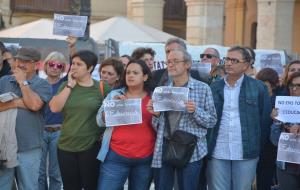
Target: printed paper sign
x=288 y=109
x=272 y=61
x=167 y=98
x=289 y=148
x=202 y=68
x=72 y=25
x=8 y=96
x=122 y=112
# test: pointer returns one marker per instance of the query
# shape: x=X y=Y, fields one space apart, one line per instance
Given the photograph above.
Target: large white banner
x=122 y=112
x=264 y=58
x=289 y=148
x=167 y=98
x=288 y=109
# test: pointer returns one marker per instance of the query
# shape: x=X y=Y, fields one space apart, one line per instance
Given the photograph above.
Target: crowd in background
x=57 y=124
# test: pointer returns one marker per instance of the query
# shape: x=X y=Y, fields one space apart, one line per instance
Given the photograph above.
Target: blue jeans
x=116 y=169
x=27 y=172
x=230 y=174
x=187 y=178
x=49 y=147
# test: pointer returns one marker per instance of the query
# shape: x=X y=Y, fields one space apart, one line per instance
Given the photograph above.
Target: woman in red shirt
x=127 y=150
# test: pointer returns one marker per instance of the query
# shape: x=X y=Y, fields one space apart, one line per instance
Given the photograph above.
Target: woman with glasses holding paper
x=127 y=149
x=288 y=173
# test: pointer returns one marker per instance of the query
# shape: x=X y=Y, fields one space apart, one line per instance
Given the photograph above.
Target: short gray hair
x=56 y=56
x=177 y=41
x=186 y=56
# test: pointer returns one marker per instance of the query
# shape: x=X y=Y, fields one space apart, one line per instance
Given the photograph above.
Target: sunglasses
x=208 y=56
x=293 y=86
x=55 y=64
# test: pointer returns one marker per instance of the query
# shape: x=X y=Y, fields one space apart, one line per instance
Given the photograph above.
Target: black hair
x=245 y=54
x=138 y=53
x=148 y=84
x=88 y=57
x=127 y=56
x=292 y=77
x=269 y=75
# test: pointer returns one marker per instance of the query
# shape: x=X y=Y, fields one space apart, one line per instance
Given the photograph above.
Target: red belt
x=52 y=129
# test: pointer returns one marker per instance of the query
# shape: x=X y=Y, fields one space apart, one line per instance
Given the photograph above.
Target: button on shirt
x=229 y=144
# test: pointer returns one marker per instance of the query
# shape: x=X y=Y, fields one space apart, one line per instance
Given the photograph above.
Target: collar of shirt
x=238 y=83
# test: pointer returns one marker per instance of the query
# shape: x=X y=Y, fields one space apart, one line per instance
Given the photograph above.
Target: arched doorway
x=240 y=23
x=174 y=21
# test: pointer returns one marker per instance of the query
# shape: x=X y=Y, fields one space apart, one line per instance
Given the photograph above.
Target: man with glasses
x=199 y=115
x=212 y=56
x=243 y=112
x=161 y=77
x=33 y=94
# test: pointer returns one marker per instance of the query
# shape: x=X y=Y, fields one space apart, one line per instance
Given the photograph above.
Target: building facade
x=264 y=24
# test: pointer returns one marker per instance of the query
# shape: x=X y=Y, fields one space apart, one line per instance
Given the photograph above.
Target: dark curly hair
x=269 y=75
x=138 y=53
x=148 y=84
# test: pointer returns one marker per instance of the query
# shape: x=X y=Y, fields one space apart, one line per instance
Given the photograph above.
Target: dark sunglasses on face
x=232 y=60
x=208 y=56
x=55 y=64
x=292 y=86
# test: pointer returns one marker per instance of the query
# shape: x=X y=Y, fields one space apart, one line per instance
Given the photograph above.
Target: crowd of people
x=53 y=132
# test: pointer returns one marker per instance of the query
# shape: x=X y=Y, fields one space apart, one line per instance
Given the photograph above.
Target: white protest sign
x=122 y=112
x=263 y=57
x=202 y=67
x=270 y=59
x=167 y=98
x=72 y=25
x=289 y=148
x=288 y=109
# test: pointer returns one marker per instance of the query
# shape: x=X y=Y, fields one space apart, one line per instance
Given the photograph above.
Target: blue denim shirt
x=108 y=131
x=254 y=108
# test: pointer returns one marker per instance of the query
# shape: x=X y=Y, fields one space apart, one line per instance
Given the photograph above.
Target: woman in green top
x=79 y=100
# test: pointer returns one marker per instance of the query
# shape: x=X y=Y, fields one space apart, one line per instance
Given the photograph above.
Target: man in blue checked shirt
x=200 y=114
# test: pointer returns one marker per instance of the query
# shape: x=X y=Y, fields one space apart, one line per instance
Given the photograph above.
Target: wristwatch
x=25 y=83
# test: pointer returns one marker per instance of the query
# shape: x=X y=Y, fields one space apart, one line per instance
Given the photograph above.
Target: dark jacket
x=6 y=70
x=160 y=77
x=254 y=108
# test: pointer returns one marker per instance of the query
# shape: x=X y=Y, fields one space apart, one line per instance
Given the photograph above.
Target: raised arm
x=57 y=103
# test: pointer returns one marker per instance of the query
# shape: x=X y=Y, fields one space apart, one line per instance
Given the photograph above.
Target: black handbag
x=179 y=147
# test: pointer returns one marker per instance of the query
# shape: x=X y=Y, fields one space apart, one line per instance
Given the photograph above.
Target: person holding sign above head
x=243 y=110
x=288 y=173
x=79 y=99
x=127 y=148
x=189 y=126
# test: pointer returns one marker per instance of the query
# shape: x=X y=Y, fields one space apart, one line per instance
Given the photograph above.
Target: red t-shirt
x=137 y=140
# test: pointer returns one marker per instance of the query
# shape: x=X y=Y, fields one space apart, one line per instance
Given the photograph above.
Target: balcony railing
x=43 y=6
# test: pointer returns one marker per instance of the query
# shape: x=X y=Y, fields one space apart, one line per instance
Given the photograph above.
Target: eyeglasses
x=232 y=60
x=55 y=64
x=208 y=56
x=294 y=70
x=174 y=62
x=294 y=86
